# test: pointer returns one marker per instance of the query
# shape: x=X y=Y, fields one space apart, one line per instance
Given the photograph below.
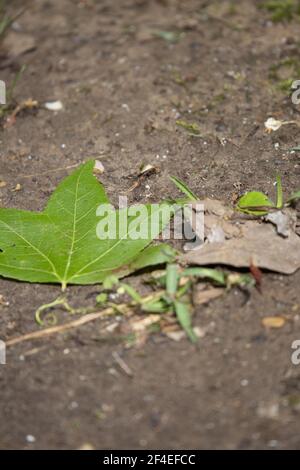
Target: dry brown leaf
x=98 y=168
x=262 y=245
x=246 y=241
x=201 y=296
x=284 y=221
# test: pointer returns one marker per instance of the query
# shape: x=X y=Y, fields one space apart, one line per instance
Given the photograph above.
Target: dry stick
x=122 y=364
x=80 y=321
x=61 y=328
x=51 y=171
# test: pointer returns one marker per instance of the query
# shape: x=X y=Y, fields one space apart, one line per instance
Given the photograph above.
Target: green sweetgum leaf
x=255 y=203
x=60 y=245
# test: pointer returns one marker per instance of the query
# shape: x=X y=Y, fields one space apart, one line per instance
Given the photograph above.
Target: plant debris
x=246 y=241
x=273 y=322
x=54 y=105
x=272 y=124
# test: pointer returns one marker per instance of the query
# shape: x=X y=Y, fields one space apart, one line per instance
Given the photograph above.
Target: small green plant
x=282 y=10
x=258 y=204
x=252 y=203
x=283 y=74
x=191 y=128
x=6 y=20
x=184 y=188
x=175 y=286
x=168 y=36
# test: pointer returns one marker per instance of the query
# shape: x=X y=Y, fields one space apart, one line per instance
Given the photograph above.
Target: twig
x=51 y=171
x=112 y=310
x=61 y=328
x=122 y=364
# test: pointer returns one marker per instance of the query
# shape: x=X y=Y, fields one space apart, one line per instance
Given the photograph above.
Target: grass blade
x=172 y=279
x=183 y=188
x=279 y=196
x=184 y=319
x=206 y=273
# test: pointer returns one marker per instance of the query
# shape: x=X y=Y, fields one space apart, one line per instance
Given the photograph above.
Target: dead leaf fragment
x=246 y=241
x=273 y=322
x=3 y=302
x=98 y=168
x=203 y=296
x=86 y=446
x=148 y=169
x=177 y=334
x=283 y=221
x=142 y=324
x=272 y=125
x=18 y=187
x=216 y=235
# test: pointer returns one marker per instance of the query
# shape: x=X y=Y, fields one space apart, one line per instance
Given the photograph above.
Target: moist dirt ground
x=123 y=84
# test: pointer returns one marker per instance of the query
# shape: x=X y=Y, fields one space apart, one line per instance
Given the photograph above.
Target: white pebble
x=54 y=105
x=73 y=405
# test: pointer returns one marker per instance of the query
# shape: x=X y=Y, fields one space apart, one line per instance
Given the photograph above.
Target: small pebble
x=54 y=105
x=273 y=443
x=73 y=405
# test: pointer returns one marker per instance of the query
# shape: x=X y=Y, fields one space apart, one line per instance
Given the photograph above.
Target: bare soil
x=123 y=89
